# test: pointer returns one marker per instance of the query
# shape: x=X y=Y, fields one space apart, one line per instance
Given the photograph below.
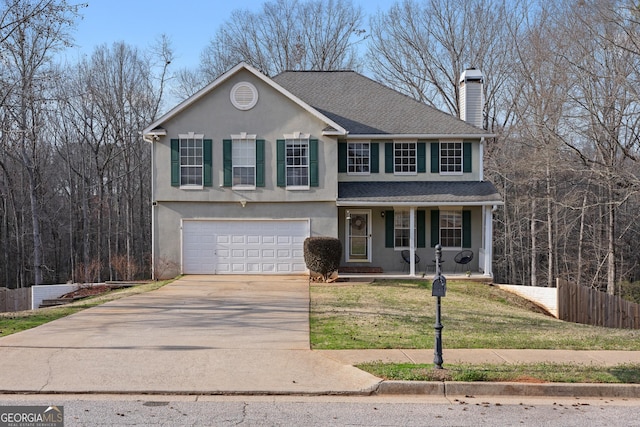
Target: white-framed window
x=243 y=153
x=451 y=158
x=297 y=161
x=191 y=160
x=358 y=158
x=405 y=158
x=451 y=228
x=401 y=229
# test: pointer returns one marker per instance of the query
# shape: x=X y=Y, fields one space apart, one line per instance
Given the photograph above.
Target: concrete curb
x=455 y=388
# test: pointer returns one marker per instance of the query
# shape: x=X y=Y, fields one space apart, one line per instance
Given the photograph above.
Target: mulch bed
x=89 y=291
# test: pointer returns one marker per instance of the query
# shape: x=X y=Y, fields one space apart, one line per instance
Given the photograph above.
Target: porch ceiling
x=418 y=193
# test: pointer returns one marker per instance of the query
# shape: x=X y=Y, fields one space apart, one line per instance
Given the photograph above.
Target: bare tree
x=283 y=35
x=421 y=48
x=35 y=31
x=110 y=97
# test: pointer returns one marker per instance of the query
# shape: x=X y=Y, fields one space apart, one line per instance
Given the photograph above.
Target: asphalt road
x=163 y=410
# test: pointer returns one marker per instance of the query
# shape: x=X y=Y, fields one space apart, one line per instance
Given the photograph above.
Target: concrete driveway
x=199 y=334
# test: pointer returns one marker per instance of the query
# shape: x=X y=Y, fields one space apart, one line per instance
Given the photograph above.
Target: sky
x=190 y=24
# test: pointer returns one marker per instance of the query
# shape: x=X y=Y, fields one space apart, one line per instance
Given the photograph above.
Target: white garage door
x=243 y=247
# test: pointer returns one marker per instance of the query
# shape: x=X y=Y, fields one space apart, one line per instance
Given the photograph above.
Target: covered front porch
x=395 y=235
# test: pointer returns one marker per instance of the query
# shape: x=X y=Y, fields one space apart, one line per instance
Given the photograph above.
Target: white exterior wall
x=471 y=88
x=43 y=292
x=545 y=297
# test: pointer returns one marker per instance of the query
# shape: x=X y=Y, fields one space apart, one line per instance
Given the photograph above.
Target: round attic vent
x=244 y=96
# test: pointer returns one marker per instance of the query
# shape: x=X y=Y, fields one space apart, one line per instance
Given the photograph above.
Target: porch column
x=412 y=241
x=488 y=240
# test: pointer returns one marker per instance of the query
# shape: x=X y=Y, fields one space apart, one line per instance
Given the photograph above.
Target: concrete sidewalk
x=237 y=335
x=453 y=356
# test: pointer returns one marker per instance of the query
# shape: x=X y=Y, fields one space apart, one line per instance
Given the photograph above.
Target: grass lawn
x=401 y=314
x=535 y=373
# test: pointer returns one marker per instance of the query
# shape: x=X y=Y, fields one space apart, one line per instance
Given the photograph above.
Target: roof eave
x=420 y=136
x=358 y=203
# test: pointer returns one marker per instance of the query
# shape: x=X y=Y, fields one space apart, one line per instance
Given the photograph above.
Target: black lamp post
x=438 y=290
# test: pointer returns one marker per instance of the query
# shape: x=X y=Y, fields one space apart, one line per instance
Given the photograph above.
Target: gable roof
x=365 y=107
x=422 y=193
x=333 y=127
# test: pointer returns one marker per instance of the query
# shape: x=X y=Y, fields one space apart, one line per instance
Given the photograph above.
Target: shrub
x=322 y=255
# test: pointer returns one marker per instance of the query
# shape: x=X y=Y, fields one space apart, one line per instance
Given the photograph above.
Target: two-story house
x=248 y=167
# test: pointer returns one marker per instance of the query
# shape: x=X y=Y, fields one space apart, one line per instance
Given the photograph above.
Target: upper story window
x=451 y=228
x=451 y=157
x=297 y=161
x=243 y=149
x=191 y=160
x=405 y=158
x=358 y=158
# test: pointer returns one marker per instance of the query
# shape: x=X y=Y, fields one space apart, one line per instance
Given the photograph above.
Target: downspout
x=481 y=175
x=412 y=241
x=488 y=244
x=151 y=139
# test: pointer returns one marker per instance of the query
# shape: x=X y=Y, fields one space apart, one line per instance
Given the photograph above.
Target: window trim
x=243 y=136
x=458 y=212
x=442 y=144
x=415 y=159
x=396 y=214
x=349 y=157
x=194 y=136
x=300 y=137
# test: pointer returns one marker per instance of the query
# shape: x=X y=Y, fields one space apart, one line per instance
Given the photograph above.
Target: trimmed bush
x=322 y=255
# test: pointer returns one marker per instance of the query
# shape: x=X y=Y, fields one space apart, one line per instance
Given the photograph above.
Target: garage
x=243 y=246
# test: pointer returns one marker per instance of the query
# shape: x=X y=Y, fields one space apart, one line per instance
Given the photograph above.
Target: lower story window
x=451 y=229
x=401 y=229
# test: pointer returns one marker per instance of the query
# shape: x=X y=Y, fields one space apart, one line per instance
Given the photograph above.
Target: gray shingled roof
x=363 y=106
x=426 y=192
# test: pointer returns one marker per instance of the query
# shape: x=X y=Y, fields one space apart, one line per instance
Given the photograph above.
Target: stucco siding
x=168 y=218
x=273 y=116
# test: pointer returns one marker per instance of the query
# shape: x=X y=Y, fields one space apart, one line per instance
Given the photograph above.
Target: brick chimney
x=471 y=93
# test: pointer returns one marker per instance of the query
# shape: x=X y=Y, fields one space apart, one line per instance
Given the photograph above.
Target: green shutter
x=389 y=241
x=375 y=157
x=388 y=157
x=466 y=157
x=175 y=163
x=227 y=163
x=466 y=229
x=342 y=157
x=422 y=157
x=314 y=180
x=207 y=163
x=260 y=163
x=280 y=163
x=421 y=229
x=435 y=157
x=435 y=227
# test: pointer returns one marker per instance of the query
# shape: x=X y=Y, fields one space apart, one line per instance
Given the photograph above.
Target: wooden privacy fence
x=580 y=304
x=15 y=299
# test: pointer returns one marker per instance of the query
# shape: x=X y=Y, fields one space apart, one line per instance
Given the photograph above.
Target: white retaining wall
x=43 y=292
x=544 y=297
